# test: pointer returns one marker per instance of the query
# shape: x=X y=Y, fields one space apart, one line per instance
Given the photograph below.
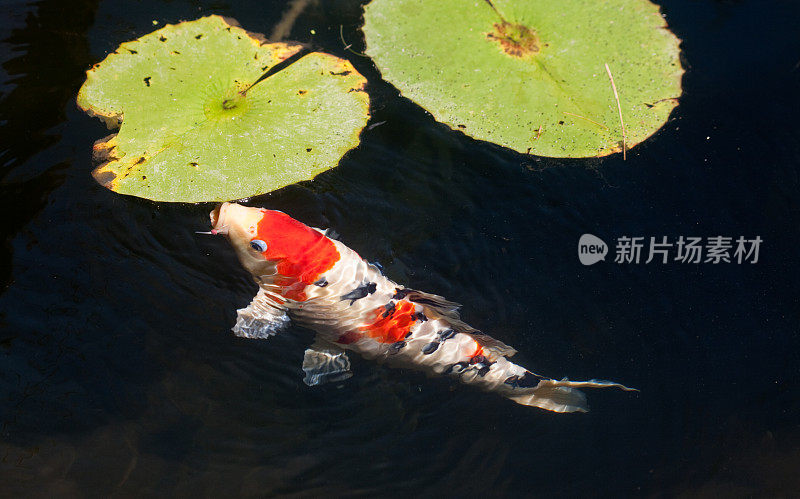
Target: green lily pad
x=199 y=123
x=531 y=74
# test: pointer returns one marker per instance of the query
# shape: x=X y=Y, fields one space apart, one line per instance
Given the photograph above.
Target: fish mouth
x=217 y=217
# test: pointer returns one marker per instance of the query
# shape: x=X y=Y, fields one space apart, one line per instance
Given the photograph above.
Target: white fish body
x=319 y=283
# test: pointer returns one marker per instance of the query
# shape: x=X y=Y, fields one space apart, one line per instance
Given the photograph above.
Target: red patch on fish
x=395 y=326
x=349 y=337
x=302 y=254
x=294 y=291
x=478 y=352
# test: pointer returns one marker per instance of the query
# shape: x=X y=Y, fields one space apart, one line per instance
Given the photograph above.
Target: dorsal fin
x=441 y=305
x=493 y=346
x=438 y=305
x=329 y=233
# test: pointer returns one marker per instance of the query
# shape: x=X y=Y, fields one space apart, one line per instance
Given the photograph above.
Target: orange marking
x=294 y=291
x=478 y=351
x=393 y=327
x=302 y=254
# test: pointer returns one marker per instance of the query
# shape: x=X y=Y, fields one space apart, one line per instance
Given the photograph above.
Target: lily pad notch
x=207 y=111
x=531 y=75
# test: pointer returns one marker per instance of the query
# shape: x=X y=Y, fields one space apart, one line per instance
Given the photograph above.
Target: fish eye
x=258 y=245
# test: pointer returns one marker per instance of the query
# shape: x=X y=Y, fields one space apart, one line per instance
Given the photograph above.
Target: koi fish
x=307 y=277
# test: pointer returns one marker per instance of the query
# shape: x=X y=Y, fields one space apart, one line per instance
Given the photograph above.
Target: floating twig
x=619 y=108
x=285 y=25
x=348 y=45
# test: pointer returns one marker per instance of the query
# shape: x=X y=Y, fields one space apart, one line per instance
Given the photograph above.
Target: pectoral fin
x=325 y=363
x=263 y=318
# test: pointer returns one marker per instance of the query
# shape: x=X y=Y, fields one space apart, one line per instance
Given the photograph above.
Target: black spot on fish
x=529 y=380
x=482 y=370
x=419 y=316
x=396 y=347
x=512 y=381
x=446 y=334
x=388 y=309
x=322 y=282
x=360 y=292
x=430 y=347
x=456 y=368
x=478 y=359
x=399 y=294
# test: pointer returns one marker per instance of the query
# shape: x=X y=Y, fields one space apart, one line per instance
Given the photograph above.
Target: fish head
x=240 y=224
x=271 y=244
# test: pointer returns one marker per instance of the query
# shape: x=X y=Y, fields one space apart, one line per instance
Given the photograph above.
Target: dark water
x=119 y=376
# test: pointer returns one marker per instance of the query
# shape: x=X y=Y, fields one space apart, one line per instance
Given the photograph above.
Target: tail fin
x=561 y=396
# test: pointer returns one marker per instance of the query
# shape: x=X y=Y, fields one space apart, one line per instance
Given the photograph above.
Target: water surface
x=120 y=375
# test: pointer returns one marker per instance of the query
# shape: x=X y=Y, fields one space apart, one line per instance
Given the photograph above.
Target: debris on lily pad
x=557 y=78
x=209 y=112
